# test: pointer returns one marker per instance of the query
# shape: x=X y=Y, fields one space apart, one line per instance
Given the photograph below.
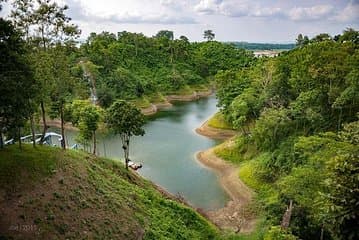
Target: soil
x=215 y=133
x=236 y=215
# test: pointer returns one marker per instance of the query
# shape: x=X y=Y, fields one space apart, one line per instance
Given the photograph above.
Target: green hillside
x=48 y=193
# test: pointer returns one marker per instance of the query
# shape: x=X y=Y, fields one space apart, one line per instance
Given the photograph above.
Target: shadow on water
x=167 y=152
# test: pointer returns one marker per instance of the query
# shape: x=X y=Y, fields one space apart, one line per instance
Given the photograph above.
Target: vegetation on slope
x=131 y=65
x=49 y=193
x=298 y=114
x=218 y=121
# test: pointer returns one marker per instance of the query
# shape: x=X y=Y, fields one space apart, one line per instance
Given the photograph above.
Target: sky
x=272 y=21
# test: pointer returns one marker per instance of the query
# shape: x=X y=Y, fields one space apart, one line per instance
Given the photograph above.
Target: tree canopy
x=125 y=119
x=298 y=112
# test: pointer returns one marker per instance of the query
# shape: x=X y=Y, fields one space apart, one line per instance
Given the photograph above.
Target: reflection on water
x=167 y=152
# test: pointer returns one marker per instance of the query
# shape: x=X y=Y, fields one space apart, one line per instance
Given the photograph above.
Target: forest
x=297 y=113
x=298 y=117
x=53 y=71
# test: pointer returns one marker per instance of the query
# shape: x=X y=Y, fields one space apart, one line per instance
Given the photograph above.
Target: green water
x=167 y=153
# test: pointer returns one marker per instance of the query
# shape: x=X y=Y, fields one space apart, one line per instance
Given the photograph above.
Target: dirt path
x=235 y=215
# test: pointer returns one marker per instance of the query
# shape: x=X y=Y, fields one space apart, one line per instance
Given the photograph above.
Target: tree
x=343 y=182
x=166 y=34
x=344 y=194
x=125 y=119
x=209 y=35
x=349 y=35
x=63 y=87
x=184 y=38
x=322 y=37
x=86 y=117
x=48 y=25
x=299 y=40
x=16 y=80
x=271 y=127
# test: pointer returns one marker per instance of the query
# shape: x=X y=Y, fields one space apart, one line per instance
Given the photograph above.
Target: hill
x=264 y=46
x=48 y=193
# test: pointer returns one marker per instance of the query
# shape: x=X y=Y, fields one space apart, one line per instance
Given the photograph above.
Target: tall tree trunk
x=43 y=113
x=94 y=143
x=340 y=119
x=33 y=130
x=1 y=140
x=287 y=215
x=128 y=152
x=63 y=145
x=125 y=145
x=19 y=136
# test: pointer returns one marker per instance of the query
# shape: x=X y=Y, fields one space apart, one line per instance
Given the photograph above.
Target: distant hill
x=264 y=46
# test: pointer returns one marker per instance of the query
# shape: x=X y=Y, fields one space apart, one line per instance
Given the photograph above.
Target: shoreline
x=57 y=123
x=215 y=133
x=151 y=110
x=155 y=107
x=235 y=215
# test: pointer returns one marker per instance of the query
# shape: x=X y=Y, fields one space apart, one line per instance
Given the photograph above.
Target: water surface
x=167 y=152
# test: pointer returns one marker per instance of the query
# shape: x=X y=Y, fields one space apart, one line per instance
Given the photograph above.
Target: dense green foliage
x=105 y=68
x=299 y=123
x=131 y=65
x=86 y=117
x=298 y=114
x=16 y=80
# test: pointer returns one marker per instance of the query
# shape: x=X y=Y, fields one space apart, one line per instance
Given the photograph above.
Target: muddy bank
x=235 y=215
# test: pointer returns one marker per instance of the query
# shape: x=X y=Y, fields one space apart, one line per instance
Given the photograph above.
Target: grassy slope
x=218 y=121
x=50 y=194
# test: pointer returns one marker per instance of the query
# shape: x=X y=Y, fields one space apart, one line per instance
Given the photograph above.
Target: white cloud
x=268 y=12
x=236 y=8
x=128 y=13
x=249 y=20
x=208 y=6
x=311 y=13
x=350 y=13
x=244 y=8
x=149 y=18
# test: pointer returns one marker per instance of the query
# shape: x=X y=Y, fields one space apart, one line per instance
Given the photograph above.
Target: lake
x=167 y=152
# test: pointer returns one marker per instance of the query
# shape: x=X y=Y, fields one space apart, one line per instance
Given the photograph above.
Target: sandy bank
x=235 y=215
x=215 y=133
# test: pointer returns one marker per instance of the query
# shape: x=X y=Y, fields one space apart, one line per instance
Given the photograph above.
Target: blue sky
x=231 y=20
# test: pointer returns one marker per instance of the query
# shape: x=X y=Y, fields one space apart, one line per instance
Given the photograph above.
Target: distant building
x=266 y=53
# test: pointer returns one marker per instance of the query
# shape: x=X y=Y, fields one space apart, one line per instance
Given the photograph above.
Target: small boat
x=133 y=165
